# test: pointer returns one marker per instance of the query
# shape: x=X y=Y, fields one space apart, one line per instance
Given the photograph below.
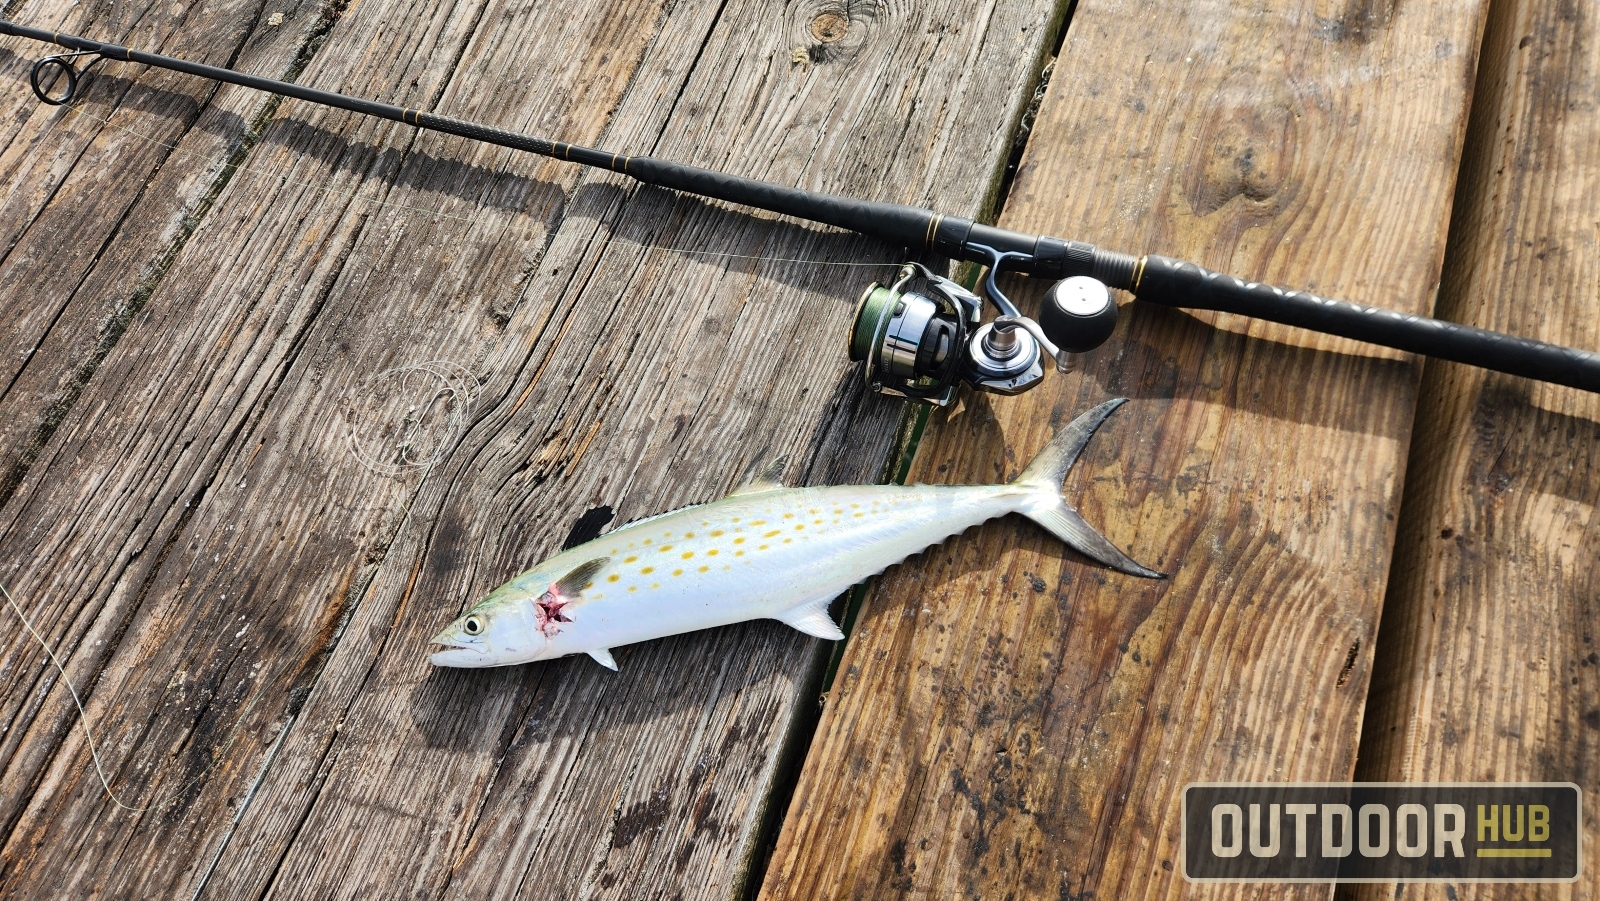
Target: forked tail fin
x=1047 y=507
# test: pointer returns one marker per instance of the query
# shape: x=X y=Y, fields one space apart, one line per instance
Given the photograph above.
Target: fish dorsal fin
x=812 y=618
x=573 y=583
x=603 y=657
x=769 y=477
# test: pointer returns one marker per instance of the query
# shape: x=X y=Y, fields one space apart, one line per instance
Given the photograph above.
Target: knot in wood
x=829 y=26
x=1248 y=151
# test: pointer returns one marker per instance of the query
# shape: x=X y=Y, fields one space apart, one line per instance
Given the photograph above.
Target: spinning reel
x=922 y=344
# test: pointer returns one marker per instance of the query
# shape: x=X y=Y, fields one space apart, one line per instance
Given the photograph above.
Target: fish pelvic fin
x=1046 y=506
x=603 y=657
x=812 y=618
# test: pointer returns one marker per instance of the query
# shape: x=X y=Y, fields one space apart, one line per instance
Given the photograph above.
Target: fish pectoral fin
x=603 y=657
x=768 y=478
x=573 y=583
x=812 y=618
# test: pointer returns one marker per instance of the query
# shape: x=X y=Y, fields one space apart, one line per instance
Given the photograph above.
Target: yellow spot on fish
x=705 y=568
x=717 y=534
x=816 y=522
x=665 y=548
x=762 y=548
x=854 y=506
x=711 y=553
x=770 y=534
x=727 y=567
x=647 y=541
x=788 y=516
x=859 y=515
x=813 y=512
x=688 y=554
x=736 y=519
x=633 y=588
x=647 y=570
x=739 y=540
x=788 y=541
x=677 y=572
x=738 y=553
x=613 y=577
x=630 y=559
x=655 y=584
x=802 y=526
x=756 y=522
x=688 y=534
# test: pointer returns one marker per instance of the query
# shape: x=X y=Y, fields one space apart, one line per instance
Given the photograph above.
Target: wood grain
x=1487 y=666
x=242 y=576
x=1009 y=722
x=103 y=194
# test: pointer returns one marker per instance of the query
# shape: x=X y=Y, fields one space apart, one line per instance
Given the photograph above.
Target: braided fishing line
x=266 y=173
x=456 y=382
x=262 y=172
x=88 y=734
x=454 y=375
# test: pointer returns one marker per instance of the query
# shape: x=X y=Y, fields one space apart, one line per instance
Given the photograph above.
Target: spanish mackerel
x=763 y=552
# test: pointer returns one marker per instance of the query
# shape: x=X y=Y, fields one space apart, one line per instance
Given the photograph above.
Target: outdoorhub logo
x=1381 y=832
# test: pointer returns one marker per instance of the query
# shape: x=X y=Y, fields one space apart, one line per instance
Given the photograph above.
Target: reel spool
x=923 y=344
x=912 y=342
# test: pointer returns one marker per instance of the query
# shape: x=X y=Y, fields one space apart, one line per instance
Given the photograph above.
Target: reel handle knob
x=1078 y=314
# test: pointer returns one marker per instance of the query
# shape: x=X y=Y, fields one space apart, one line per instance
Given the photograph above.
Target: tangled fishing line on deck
x=440 y=408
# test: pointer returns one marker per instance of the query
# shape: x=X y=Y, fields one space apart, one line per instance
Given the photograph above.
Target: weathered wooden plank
x=104 y=517
x=1010 y=722
x=649 y=782
x=1486 y=667
x=96 y=204
x=99 y=197
x=315 y=520
x=283 y=589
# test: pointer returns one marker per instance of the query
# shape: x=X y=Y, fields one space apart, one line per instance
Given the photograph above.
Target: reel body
x=913 y=343
x=923 y=344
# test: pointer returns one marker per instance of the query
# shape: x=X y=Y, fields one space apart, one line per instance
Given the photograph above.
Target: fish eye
x=473 y=625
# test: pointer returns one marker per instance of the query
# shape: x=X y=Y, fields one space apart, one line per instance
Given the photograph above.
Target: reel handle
x=1078 y=314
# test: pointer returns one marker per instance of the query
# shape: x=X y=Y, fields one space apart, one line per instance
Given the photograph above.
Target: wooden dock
x=287 y=388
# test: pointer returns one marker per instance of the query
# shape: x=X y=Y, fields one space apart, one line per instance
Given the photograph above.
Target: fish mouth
x=454 y=653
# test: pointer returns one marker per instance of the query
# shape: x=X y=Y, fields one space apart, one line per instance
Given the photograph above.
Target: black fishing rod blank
x=923 y=343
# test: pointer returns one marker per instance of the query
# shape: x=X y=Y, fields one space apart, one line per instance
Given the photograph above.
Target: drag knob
x=1078 y=314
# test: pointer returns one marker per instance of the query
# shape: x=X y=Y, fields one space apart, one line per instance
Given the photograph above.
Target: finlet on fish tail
x=1046 y=506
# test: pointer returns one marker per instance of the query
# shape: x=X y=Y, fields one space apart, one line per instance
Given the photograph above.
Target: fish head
x=493 y=633
x=520 y=621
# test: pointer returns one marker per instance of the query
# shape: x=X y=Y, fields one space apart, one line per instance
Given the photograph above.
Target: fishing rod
x=923 y=344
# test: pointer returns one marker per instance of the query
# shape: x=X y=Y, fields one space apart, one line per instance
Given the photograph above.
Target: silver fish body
x=765 y=552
